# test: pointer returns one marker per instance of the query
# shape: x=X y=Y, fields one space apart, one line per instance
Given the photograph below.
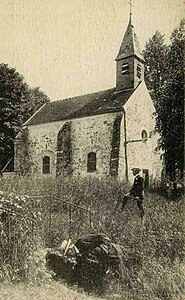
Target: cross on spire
x=131 y=5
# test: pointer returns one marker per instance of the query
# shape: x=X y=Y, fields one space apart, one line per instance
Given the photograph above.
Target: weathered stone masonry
x=21 y=154
x=68 y=147
x=92 y=134
x=64 y=151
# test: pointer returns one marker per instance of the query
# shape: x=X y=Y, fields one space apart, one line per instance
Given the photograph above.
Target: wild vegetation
x=164 y=77
x=18 y=102
x=154 y=249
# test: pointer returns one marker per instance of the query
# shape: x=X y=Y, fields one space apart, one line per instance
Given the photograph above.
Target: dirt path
x=51 y=291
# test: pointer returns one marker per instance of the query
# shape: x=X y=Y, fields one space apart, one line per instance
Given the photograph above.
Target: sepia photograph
x=92 y=150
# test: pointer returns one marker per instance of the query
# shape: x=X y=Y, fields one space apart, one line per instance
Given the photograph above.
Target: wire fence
x=61 y=219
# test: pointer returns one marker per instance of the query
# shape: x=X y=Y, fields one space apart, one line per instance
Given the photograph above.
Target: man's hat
x=136 y=169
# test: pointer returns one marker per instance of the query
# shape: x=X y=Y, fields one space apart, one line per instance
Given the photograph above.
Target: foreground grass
x=52 y=291
x=154 y=249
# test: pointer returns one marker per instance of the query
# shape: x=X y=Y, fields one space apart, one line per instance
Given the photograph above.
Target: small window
x=91 y=162
x=139 y=71
x=46 y=165
x=125 y=69
x=144 y=135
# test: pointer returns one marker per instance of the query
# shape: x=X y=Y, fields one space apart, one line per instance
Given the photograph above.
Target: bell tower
x=129 y=61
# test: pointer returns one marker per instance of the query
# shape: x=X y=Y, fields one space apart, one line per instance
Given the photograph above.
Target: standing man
x=136 y=191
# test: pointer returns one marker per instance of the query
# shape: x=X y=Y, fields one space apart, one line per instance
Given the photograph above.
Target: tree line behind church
x=163 y=76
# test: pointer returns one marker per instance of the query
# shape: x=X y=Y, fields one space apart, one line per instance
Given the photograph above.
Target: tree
x=35 y=100
x=13 y=92
x=165 y=79
x=155 y=55
x=170 y=112
x=17 y=103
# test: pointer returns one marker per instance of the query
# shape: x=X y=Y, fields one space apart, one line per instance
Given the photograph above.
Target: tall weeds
x=154 y=249
x=18 y=235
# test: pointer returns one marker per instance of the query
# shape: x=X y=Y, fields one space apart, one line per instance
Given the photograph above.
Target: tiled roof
x=81 y=106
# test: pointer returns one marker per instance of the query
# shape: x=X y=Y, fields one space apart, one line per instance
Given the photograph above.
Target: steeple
x=130 y=61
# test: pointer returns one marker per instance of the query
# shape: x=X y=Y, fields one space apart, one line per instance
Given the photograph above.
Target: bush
x=18 y=231
x=37 y=272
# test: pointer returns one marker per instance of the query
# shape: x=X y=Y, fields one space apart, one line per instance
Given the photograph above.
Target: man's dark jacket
x=137 y=188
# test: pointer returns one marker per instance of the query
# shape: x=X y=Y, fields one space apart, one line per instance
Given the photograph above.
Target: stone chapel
x=100 y=134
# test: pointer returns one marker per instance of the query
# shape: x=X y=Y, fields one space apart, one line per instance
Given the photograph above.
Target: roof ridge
x=93 y=93
x=82 y=106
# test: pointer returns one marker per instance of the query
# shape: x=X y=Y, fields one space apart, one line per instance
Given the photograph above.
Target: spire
x=130 y=45
x=129 y=61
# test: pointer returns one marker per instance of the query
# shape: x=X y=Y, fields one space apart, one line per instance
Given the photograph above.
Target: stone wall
x=140 y=152
x=92 y=134
x=22 y=162
x=64 y=151
x=84 y=135
x=43 y=142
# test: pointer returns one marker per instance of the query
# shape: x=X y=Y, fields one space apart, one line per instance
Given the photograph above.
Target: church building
x=100 y=134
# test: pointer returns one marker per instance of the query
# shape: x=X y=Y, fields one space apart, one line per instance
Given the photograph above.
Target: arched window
x=144 y=135
x=46 y=165
x=91 y=162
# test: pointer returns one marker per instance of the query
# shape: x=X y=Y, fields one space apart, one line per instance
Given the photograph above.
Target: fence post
x=70 y=219
x=90 y=219
x=32 y=215
x=50 y=221
x=9 y=237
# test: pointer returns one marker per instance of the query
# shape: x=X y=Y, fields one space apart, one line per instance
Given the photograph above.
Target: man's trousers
x=137 y=199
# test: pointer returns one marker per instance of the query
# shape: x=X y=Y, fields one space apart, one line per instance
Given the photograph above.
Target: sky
x=68 y=47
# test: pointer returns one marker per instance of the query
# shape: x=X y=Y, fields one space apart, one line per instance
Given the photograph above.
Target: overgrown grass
x=54 y=291
x=154 y=249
